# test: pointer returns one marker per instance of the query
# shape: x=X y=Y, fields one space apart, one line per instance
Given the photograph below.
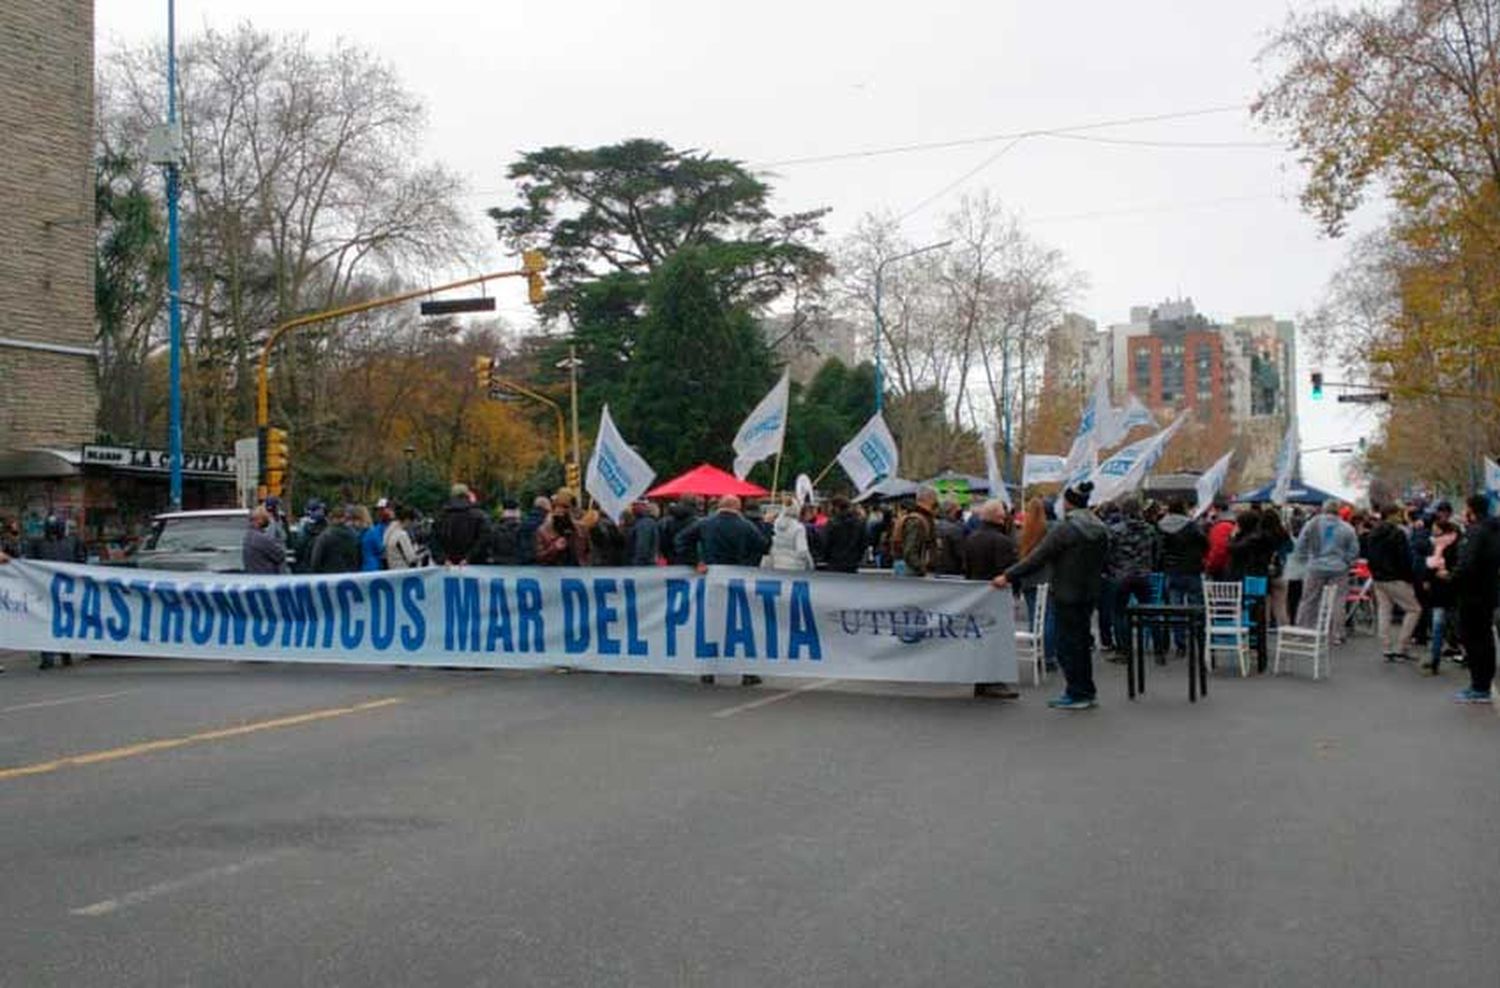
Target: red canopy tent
x=707 y=481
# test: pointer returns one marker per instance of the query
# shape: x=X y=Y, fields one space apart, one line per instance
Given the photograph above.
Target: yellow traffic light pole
x=533 y=263
x=537 y=396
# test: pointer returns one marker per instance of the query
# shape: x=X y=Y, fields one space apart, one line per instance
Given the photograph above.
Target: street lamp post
x=880 y=323
x=174 y=277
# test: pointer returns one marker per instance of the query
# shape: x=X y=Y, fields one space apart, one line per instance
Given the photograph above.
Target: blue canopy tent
x=1297 y=493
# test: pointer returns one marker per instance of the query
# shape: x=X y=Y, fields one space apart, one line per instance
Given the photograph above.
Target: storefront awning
x=39 y=464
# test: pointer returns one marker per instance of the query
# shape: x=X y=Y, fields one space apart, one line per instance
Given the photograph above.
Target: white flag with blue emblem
x=1126 y=470
x=617 y=475
x=870 y=456
x=992 y=470
x=1101 y=426
x=763 y=431
x=1208 y=485
x=1043 y=468
x=1136 y=413
x=1286 y=465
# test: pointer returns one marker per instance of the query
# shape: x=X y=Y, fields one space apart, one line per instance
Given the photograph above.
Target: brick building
x=48 y=378
x=48 y=388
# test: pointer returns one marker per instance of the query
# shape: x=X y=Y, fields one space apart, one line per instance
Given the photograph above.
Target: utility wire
x=958 y=181
x=995 y=138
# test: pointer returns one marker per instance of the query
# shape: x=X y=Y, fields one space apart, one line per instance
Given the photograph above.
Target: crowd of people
x=1440 y=575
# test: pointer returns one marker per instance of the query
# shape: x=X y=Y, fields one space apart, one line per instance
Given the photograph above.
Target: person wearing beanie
x=1075 y=548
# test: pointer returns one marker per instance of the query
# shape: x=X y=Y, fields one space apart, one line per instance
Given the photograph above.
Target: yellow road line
x=166 y=744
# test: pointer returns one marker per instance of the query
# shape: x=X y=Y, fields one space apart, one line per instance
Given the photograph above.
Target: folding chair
x=1031 y=644
x=1359 y=603
x=1225 y=628
x=1295 y=642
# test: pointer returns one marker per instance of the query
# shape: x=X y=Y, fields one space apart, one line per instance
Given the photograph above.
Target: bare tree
x=299 y=185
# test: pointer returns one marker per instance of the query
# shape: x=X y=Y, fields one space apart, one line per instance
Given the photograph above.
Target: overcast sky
x=780 y=80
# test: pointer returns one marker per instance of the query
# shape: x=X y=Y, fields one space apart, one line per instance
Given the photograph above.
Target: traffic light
x=484 y=372
x=1317 y=383
x=572 y=476
x=534 y=262
x=278 y=457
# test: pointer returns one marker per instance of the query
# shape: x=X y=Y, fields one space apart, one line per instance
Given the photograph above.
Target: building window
x=1142 y=371
x=1203 y=367
x=1172 y=383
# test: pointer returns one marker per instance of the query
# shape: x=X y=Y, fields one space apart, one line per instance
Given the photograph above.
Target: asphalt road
x=177 y=823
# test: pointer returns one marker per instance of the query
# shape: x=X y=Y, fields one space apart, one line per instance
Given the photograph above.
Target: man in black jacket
x=987 y=552
x=1389 y=556
x=681 y=516
x=56 y=546
x=462 y=531
x=645 y=535
x=337 y=548
x=844 y=538
x=1183 y=546
x=1477 y=583
x=1076 y=547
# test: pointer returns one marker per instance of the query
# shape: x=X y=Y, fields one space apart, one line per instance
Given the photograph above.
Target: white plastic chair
x=1296 y=642
x=1031 y=644
x=1225 y=629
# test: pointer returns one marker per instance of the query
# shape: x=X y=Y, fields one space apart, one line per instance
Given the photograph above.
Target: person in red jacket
x=1220 y=531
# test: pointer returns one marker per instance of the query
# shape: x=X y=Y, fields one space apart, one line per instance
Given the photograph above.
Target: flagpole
x=819 y=478
x=776 y=477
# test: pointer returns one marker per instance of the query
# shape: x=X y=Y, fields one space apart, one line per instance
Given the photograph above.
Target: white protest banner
x=630 y=619
x=1286 y=465
x=763 y=432
x=1042 y=468
x=1126 y=470
x=617 y=475
x=1136 y=414
x=1209 y=484
x=871 y=456
x=992 y=471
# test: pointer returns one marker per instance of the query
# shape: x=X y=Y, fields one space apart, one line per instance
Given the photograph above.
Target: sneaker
x=1470 y=695
x=1072 y=703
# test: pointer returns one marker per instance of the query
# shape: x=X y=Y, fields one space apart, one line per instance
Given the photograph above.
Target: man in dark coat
x=462 y=530
x=337 y=548
x=989 y=551
x=261 y=552
x=56 y=546
x=1076 y=548
x=844 y=538
x=681 y=516
x=526 y=535
x=645 y=535
x=725 y=538
x=1477 y=587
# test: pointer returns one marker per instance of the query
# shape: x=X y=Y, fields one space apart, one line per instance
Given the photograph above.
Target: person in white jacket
x=789 y=549
x=400 y=551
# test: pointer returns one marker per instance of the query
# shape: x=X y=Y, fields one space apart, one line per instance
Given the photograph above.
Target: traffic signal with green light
x=1317 y=385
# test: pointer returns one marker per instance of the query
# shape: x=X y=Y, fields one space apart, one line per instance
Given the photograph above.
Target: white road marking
x=766 y=701
x=67 y=699
x=107 y=906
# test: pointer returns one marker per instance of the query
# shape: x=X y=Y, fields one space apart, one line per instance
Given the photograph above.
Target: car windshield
x=220 y=532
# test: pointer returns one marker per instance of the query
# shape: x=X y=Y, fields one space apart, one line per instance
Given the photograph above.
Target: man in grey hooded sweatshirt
x=1076 y=548
x=1327 y=547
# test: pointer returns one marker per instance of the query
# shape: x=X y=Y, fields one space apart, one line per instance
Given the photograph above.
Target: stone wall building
x=48 y=377
x=49 y=395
